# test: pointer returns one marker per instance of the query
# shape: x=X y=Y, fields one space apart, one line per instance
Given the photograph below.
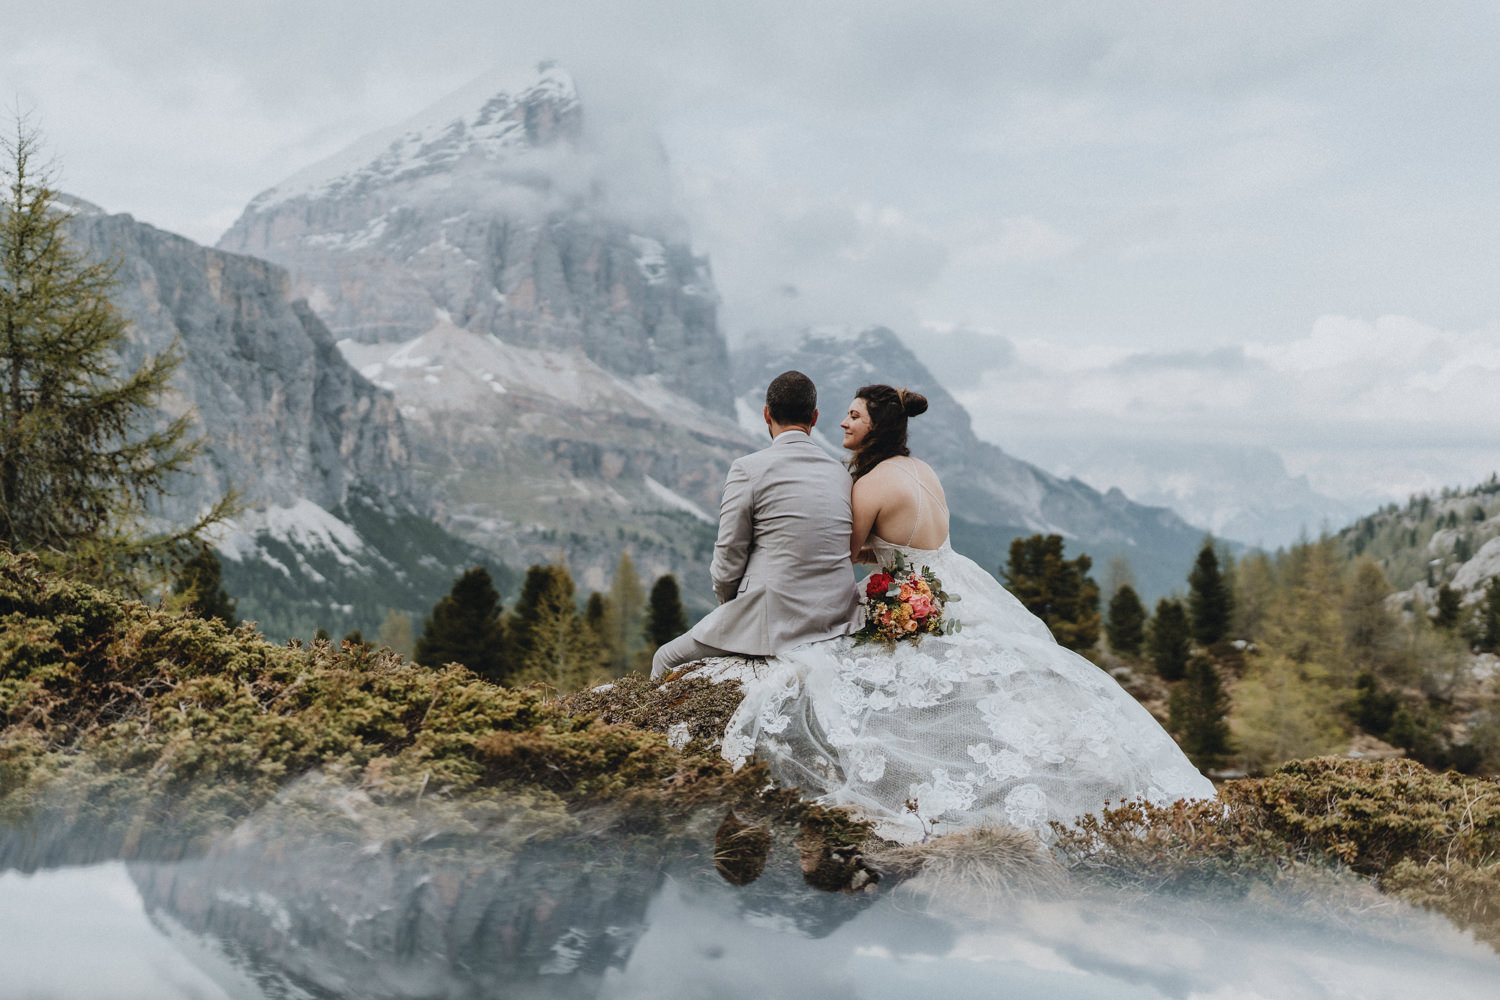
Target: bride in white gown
x=994 y=724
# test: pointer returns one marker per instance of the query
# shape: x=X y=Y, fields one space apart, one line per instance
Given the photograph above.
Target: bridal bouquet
x=902 y=603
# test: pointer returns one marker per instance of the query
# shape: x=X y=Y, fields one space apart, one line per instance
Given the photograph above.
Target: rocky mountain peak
x=489 y=211
x=497 y=119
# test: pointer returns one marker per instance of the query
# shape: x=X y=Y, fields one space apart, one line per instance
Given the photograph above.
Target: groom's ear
x=814 y=419
x=765 y=411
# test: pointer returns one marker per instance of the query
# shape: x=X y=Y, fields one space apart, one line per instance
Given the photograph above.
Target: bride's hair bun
x=913 y=404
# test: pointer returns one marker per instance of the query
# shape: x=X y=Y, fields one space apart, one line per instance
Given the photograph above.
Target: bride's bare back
x=901 y=501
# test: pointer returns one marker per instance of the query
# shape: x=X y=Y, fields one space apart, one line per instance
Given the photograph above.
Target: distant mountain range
x=1239 y=493
x=451 y=344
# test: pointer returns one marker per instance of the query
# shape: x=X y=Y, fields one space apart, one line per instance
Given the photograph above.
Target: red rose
x=877 y=585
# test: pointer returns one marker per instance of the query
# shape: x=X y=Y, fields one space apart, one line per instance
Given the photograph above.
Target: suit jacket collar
x=791 y=435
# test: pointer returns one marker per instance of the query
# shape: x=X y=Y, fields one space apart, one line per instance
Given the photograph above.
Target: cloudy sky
x=1250 y=224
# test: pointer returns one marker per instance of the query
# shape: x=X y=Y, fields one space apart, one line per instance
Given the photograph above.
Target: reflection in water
x=114 y=931
x=76 y=933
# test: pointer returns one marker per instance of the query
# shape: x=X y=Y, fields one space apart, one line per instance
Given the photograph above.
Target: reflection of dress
x=995 y=724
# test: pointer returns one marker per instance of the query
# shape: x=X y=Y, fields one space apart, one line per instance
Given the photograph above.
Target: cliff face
x=285 y=416
x=556 y=356
x=333 y=534
x=491 y=211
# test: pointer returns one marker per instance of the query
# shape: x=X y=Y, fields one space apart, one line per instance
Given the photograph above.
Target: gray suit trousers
x=683 y=649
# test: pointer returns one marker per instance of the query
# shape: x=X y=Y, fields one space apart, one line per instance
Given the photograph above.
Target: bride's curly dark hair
x=889 y=409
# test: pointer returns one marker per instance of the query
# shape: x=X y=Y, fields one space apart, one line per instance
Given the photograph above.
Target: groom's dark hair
x=792 y=398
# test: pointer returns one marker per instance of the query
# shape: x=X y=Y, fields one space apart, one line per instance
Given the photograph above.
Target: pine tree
x=1489 y=620
x=1209 y=601
x=1449 y=605
x=1306 y=623
x=80 y=462
x=598 y=620
x=1371 y=631
x=465 y=627
x=1126 y=624
x=626 y=607
x=1169 y=640
x=1059 y=592
x=1255 y=594
x=1197 y=714
x=200 y=581
x=596 y=614
x=666 y=618
x=1283 y=711
x=549 y=642
x=546 y=590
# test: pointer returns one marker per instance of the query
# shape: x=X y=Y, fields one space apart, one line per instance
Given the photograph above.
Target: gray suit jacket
x=781 y=564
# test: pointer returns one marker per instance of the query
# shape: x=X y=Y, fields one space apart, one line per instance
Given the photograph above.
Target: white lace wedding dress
x=996 y=724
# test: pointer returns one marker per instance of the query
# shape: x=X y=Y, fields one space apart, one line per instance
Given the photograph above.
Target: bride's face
x=856 y=425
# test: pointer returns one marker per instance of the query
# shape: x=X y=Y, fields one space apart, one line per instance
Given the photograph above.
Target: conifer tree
x=1254 y=594
x=1306 y=623
x=1059 y=592
x=546 y=589
x=200 y=581
x=666 y=618
x=1209 y=601
x=1284 y=711
x=1489 y=617
x=81 y=457
x=1371 y=631
x=1449 y=605
x=596 y=614
x=1126 y=624
x=549 y=640
x=465 y=627
x=1197 y=714
x=598 y=620
x=1169 y=640
x=626 y=607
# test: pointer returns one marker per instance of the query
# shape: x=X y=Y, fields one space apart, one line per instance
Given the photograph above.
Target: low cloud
x=1364 y=408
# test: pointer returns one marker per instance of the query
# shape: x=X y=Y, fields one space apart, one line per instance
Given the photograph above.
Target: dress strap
x=911 y=468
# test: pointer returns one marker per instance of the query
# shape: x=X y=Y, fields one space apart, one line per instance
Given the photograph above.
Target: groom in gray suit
x=781 y=564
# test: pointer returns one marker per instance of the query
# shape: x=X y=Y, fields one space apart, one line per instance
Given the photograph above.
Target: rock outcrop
x=284 y=414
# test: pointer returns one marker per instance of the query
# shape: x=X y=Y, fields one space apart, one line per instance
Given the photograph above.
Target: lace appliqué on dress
x=997 y=724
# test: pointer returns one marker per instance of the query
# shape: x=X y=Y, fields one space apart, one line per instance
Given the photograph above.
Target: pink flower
x=921 y=606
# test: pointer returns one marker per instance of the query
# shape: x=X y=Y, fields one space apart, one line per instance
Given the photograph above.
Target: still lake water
x=78 y=933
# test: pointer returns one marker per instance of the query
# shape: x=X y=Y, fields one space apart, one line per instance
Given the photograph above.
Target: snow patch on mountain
x=650 y=258
x=478 y=120
x=678 y=501
x=302 y=525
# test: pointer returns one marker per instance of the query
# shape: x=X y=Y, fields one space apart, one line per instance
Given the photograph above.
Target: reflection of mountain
x=994 y=497
x=556 y=356
x=1239 y=493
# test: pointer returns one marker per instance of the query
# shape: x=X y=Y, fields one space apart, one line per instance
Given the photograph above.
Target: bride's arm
x=866 y=508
